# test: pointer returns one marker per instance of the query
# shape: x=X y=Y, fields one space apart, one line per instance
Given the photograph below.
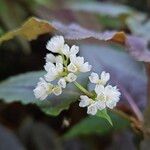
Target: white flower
x=57 y=90
x=50 y=58
x=91 y=105
x=104 y=77
x=84 y=101
x=72 y=68
x=92 y=109
x=53 y=71
x=71 y=77
x=78 y=65
x=94 y=78
x=54 y=59
x=56 y=44
x=107 y=96
x=64 y=67
x=68 y=52
x=43 y=89
x=49 y=66
x=112 y=96
x=62 y=82
x=100 y=89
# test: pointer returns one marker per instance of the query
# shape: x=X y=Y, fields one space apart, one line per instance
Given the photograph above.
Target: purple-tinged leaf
x=124 y=70
x=138 y=48
x=76 y=32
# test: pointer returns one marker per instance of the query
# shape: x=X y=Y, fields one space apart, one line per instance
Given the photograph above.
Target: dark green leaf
x=96 y=125
x=103 y=114
x=20 y=88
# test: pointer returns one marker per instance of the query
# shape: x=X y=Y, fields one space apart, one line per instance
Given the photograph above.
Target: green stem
x=65 y=60
x=81 y=88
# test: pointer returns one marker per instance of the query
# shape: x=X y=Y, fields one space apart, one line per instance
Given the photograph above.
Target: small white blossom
x=50 y=58
x=57 y=90
x=84 y=101
x=74 y=50
x=91 y=105
x=53 y=71
x=68 y=52
x=71 y=77
x=99 y=89
x=104 y=78
x=94 y=78
x=107 y=96
x=43 y=89
x=56 y=44
x=112 y=96
x=54 y=59
x=62 y=82
x=49 y=66
x=92 y=109
x=72 y=68
x=78 y=65
x=64 y=68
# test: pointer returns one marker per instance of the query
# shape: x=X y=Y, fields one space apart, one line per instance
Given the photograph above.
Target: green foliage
x=96 y=125
x=103 y=114
x=111 y=22
x=101 y=8
x=20 y=89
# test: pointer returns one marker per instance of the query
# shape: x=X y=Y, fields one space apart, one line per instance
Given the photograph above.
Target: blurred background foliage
x=27 y=127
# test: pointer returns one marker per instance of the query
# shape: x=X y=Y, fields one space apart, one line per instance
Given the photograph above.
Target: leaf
x=141 y=23
x=38 y=135
x=34 y=27
x=96 y=125
x=76 y=32
x=20 y=89
x=125 y=72
x=8 y=140
x=103 y=114
x=30 y=30
x=102 y=8
x=138 y=48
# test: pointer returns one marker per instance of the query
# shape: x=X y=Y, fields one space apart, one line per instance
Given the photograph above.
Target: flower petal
x=62 y=83
x=94 y=78
x=71 y=77
x=99 y=89
x=105 y=77
x=85 y=67
x=92 y=109
x=74 y=49
x=57 y=90
x=55 y=44
x=72 y=68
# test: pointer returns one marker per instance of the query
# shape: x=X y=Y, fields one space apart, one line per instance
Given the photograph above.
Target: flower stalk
x=82 y=89
x=64 y=68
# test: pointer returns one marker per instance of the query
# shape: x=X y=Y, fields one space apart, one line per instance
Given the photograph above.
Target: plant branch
x=81 y=88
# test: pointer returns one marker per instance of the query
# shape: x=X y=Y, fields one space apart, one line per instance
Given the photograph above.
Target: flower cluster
x=104 y=95
x=63 y=67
